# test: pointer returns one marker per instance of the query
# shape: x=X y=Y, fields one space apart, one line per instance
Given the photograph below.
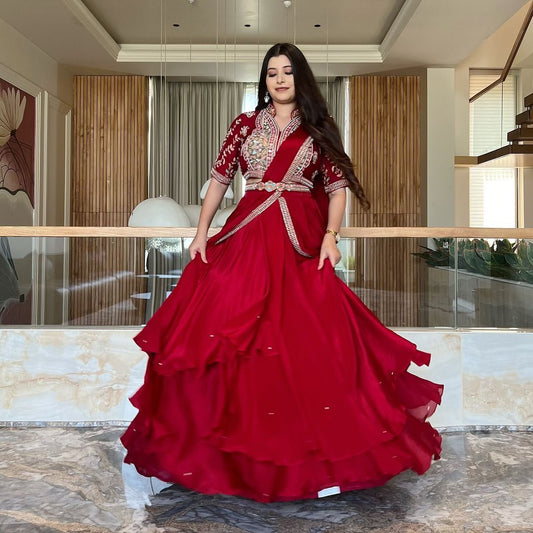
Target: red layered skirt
x=270 y=379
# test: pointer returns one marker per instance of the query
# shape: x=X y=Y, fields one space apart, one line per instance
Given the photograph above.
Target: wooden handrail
x=348 y=232
x=512 y=55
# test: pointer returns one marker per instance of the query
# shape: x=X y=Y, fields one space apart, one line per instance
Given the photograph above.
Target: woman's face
x=280 y=80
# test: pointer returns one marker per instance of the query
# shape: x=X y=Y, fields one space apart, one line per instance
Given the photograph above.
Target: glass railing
x=443 y=282
x=409 y=277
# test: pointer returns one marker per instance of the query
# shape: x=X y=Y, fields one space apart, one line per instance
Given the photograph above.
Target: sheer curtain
x=187 y=123
x=335 y=94
x=198 y=115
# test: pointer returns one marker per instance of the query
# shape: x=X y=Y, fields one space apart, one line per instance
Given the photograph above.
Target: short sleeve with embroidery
x=333 y=176
x=227 y=162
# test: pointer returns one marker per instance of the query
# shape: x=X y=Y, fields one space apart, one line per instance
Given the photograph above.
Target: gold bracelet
x=334 y=233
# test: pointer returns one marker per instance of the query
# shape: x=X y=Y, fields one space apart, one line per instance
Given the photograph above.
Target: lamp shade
x=221 y=216
x=203 y=191
x=193 y=212
x=162 y=211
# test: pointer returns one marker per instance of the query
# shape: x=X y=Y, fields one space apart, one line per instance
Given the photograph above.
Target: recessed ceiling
x=354 y=36
x=341 y=21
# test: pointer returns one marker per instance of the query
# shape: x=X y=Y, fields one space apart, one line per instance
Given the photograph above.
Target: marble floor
x=56 y=479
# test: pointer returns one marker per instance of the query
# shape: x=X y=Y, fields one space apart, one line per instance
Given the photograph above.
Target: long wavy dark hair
x=313 y=111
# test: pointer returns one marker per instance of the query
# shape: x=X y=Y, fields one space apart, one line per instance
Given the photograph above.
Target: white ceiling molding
x=93 y=26
x=392 y=34
x=19 y=81
x=244 y=53
x=400 y=22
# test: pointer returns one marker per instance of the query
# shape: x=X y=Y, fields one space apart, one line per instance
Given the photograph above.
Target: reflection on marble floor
x=73 y=480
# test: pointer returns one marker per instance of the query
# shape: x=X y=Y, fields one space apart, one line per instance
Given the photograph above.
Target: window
x=492 y=190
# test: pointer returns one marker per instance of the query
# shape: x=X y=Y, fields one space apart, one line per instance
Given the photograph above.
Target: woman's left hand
x=329 y=250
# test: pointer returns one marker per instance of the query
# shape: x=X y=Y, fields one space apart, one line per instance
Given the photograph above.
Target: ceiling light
x=286 y=3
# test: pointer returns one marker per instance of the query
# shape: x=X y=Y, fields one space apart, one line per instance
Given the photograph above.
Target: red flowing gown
x=266 y=377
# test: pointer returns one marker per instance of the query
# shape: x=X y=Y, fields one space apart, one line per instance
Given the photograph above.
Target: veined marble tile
x=73 y=480
x=89 y=374
x=498 y=377
x=68 y=374
x=445 y=368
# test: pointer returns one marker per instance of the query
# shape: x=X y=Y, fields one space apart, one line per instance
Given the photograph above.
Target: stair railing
x=512 y=55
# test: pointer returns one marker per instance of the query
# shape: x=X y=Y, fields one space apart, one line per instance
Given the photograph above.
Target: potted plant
x=501 y=259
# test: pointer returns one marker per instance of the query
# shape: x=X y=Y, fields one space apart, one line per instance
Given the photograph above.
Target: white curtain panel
x=188 y=122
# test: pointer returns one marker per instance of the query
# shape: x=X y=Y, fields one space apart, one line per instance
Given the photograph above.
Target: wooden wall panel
x=385 y=125
x=110 y=137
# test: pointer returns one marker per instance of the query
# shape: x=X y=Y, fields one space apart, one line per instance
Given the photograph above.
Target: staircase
x=517 y=154
x=524 y=121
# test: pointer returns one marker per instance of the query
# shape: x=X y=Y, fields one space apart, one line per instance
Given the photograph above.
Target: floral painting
x=17 y=139
x=17 y=179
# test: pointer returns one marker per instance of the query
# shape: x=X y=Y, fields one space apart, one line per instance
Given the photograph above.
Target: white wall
x=462 y=145
x=31 y=63
x=440 y=104
x=493 y=52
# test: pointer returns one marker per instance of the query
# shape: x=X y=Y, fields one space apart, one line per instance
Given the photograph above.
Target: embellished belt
x=271 y=186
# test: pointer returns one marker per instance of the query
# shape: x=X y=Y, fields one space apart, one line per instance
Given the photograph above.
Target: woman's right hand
x=213 y=197
x=198 y=245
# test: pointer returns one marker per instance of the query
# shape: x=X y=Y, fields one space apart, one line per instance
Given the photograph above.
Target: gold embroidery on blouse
x=219 y=177
x=300 y=163
x=260 y=147
x=336 y=185
x=237 y=133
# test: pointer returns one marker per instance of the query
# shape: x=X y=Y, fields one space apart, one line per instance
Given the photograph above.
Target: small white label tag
x=330 y=491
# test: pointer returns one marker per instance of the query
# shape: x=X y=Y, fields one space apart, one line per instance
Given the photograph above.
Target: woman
x=267 y=377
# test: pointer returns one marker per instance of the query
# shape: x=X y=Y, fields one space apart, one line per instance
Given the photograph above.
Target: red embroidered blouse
x=252 y=141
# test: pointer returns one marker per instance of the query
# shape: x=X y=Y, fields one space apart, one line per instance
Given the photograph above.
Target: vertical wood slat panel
x=110 y=168
x=386 y=153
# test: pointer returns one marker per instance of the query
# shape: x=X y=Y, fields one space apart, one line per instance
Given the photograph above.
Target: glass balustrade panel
x=406 y=282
